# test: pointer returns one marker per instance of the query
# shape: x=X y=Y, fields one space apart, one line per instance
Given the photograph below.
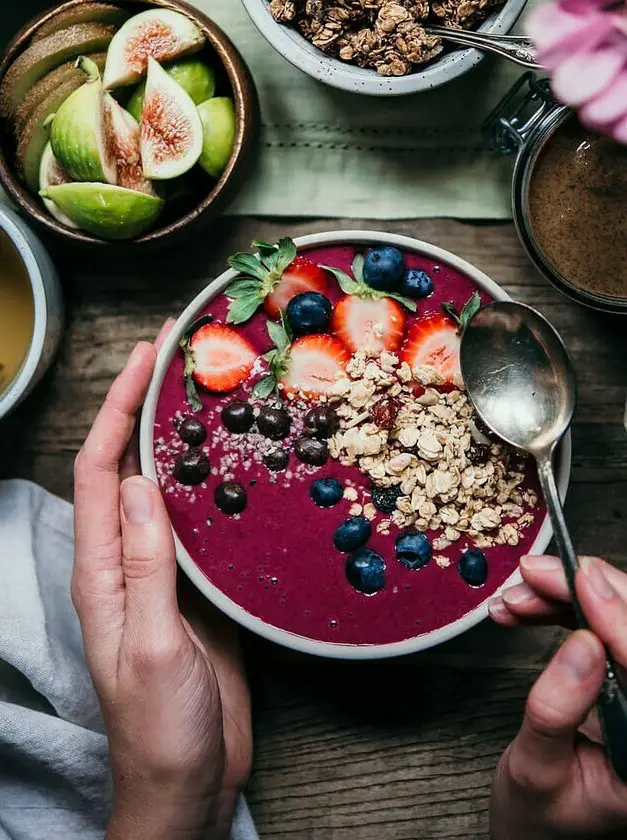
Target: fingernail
x=577 y=658
x=137 y=501
x=541 y=563
x=596 y=578
x=497 y=608
x=518 y=594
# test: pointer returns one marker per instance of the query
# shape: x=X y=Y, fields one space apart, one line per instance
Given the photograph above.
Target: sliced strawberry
x=315 y=362
x=302 y=275
x=223 y=358
x=365 y=324
x=433 y=341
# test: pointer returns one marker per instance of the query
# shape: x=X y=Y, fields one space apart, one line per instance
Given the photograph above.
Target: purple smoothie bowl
x=273 y=569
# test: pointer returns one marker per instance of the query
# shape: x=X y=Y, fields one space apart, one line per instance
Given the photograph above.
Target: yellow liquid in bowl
x=17 y=312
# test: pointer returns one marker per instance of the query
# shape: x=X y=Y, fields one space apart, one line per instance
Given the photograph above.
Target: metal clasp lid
x=518 y=114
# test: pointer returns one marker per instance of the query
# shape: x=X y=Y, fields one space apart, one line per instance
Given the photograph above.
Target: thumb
x=149 y=564
x=541 y=756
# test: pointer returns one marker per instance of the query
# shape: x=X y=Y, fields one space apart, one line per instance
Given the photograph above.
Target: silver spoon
x=522 y=384
x=516 y=48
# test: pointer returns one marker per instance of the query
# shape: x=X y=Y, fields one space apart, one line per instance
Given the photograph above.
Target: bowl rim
x=285 y=638
x=244 y=96
x=10 y=224
x=290 y=44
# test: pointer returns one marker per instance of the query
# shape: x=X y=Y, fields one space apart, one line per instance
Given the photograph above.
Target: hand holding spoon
x=521 y=382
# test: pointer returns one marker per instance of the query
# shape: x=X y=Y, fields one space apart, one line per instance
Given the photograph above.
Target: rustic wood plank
x=397 y=750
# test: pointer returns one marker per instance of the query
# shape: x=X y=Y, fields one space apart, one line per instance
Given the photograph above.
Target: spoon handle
x=612 y=704
x=516 y=48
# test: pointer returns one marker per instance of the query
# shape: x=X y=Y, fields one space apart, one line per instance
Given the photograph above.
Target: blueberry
x=309 y=312
x=416 y=284
x=352 y=534
x=473 y=567
x=326 y=492
x=365 y=570
x=383 y=268
x=384 y=498
x=238 y=417
x=192 y=431
x=413 y=549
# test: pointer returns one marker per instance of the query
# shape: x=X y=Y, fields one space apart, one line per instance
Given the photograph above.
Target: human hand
x=554 y=781
x=172 y=688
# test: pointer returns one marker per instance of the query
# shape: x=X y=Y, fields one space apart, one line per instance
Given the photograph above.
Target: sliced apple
x=171 y=133
x=158 y=33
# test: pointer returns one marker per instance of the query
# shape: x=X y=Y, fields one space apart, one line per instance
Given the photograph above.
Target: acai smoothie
x=318 y=456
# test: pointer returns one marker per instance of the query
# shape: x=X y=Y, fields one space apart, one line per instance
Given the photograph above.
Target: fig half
x=193 y=75
x=123 y=133
x=218 y=122
x=105 y=210
x=171 y=134
x=159 y=33
x=79 y=132
x=51 y=173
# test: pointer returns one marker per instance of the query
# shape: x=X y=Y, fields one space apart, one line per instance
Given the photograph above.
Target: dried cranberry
x=385 y=412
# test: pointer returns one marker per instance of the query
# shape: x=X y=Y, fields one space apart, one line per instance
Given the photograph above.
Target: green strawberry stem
x=260 y=275
x=191 y=391
x=469 y=311
x=360 y=288
x=278 y=359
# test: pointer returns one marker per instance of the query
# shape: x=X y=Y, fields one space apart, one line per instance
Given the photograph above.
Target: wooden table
x=390 y=751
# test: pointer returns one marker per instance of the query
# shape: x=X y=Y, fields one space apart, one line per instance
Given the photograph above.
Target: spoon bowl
x=519 y=376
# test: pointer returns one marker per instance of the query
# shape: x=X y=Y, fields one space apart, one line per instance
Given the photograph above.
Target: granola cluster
x=385 y=35
x=449 y=477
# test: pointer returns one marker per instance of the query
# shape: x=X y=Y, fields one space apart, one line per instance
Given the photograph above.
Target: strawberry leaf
x=241 y=288
x=407 y=303
x=190 y=363
x=264 y=387
x=467 y=314
x=242 y=308
x=346 y=283
x=247 y=264
x=265 y=248
x=358 y=268
x=285 y=256
x=278 y=335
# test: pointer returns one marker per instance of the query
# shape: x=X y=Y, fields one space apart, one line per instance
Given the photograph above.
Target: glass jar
x=521 y=125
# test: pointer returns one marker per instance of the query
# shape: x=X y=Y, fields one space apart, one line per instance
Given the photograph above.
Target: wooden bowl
x=233 y=77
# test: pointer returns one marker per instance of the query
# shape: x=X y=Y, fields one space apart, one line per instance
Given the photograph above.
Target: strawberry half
x=273 y=277
x=222 y=358
x=302 y=275
x=315 y=361
x=434 y=341
x=369 y=324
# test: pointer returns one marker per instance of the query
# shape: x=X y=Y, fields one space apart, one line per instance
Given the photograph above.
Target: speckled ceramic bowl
x=302 y=54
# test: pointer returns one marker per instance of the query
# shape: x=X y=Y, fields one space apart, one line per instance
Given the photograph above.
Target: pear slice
x=123 y=131
x=51 y=82
x=51 y=173
x=79 y=133
x=36 y=133
x=193 y=75
x=104 y=210
x=219 y=123
x=45 y=55
x=160 y=33
x=84 y=13
x=171 y=131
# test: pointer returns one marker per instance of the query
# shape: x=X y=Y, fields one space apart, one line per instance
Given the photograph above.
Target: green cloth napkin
x=329 y=153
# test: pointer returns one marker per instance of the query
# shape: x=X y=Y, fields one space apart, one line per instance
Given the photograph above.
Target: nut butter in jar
x=569 y=195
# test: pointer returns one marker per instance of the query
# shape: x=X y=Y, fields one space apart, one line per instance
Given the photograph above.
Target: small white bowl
x=48 y=306
x=218 y=598
x=302 y=54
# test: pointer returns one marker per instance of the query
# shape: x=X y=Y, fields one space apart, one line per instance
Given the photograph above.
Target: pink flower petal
x=586 y=74
x=548 y=25
x=619 y=131
x=587 y=36
x=579 y=7
x=608 y=106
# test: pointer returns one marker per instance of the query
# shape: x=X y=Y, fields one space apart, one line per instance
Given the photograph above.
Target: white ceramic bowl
x=302 y=54
x=48 y=310
x=233 y=610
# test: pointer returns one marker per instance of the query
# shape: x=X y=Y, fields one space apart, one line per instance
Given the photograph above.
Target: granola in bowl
x=383 y=35
x=328 y=482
